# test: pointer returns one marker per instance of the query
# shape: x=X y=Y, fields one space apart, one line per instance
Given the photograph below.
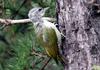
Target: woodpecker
x=47 y=34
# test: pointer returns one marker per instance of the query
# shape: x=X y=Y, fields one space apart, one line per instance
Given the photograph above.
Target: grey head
x=35 y=14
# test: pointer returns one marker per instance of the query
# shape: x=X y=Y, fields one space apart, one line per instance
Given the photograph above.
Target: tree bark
x=77 y=22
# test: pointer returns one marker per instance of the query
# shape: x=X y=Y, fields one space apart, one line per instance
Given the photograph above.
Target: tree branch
x=46 y=63
x=9 y=21
x=38 y=54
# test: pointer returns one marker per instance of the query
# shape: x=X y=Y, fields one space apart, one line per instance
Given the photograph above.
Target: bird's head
x=37 y=13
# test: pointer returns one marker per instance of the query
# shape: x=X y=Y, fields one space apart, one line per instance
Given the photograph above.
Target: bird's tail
x=62 y=60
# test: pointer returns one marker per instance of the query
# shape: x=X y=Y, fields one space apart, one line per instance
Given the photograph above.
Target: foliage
x=95 y=67
x=17 y=41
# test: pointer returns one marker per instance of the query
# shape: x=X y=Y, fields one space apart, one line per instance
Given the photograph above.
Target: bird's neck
x=38 y=22
x=39 y=26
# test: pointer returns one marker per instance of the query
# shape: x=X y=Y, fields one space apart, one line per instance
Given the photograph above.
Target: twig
x=38 y=54
x=9 y=21
x=17 y=11
x=45 y=64
x=37 y=62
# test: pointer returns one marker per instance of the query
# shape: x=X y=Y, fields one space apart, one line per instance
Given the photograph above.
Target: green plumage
x=47 y=34
x=48 y=40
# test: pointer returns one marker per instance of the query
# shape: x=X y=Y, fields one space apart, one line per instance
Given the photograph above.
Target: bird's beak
x=45 y=9
x=42 y=12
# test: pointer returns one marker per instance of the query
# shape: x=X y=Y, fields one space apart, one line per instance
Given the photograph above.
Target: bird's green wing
x=50 y=42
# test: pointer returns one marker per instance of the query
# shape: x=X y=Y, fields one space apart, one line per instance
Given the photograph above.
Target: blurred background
x=18 y=40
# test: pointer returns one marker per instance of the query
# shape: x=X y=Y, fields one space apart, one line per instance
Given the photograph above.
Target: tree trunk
x=77 y=21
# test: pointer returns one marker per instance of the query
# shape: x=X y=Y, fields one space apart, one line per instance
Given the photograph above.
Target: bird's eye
x=40 y=9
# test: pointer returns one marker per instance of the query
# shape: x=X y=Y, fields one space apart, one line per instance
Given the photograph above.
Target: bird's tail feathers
x=62 y=60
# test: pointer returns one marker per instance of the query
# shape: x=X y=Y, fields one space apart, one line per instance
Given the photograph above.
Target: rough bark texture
x=78 y=21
